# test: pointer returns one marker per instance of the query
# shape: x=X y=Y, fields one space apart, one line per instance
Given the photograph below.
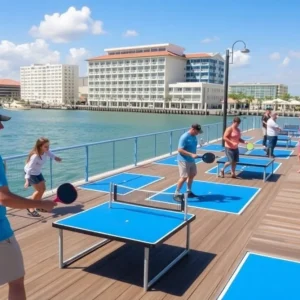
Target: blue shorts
x=232 y=154
x=36 y=179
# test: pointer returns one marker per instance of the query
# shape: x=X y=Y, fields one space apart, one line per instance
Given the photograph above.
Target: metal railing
x=81 y=162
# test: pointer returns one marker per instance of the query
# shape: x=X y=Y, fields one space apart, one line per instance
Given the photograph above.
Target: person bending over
x=33 y=171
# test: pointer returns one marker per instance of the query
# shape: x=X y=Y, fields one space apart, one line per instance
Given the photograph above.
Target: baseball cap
x=4 y=118
x=197 y=127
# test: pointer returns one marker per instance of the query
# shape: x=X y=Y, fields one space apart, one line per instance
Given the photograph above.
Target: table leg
x=148 y=283
x=61 y=248
x=188 y=237
x=146 y=268
x=63 y=263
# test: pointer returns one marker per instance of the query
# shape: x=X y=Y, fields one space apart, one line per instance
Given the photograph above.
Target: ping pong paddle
x=208 y=157
x=66 y=193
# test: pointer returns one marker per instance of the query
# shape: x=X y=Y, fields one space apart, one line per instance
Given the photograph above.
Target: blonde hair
x=37 y=147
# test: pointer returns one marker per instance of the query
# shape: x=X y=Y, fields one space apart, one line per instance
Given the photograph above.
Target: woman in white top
x=33 y=170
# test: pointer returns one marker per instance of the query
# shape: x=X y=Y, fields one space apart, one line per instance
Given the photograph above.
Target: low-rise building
x=195 y=95
x=259 y=90
x=9 y=89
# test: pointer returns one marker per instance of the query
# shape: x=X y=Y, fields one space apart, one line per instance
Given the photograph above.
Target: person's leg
x=12 y=265
x=272 y=142
x=192 y=172
x=269 y=145
x=39 y=188
x=16 y=290
x=228 y=163
x=182 y=179
x=264 y=137
x=235 y=160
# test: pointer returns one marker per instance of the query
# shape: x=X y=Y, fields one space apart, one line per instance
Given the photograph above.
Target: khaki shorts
x=187 y=169
x=11 y=261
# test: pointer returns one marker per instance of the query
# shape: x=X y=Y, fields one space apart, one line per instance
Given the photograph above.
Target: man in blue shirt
x=187 y=149
x=11 y=260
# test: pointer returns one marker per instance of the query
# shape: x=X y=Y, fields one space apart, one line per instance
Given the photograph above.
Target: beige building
x=55 y=84
x=9 y=89
x=139 y=76
x=259 y=90
x=195 y=95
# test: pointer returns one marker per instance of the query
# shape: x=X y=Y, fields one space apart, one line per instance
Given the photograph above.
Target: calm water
x=68 y=128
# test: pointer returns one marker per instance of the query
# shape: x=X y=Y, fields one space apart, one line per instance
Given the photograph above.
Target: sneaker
x=191 y=195
x=178 y=197
x=33 y=213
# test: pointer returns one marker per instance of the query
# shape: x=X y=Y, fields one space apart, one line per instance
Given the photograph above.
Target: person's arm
x=275 y=126
x=226 y=135
x=51 y=155
x=11 y=200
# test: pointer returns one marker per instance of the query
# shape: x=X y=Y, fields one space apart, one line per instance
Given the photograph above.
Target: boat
x=17 y=105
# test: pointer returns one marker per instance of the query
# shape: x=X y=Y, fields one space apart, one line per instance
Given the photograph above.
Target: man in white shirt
x=272 y=133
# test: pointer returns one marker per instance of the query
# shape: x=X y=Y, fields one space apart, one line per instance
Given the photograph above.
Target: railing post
x=86 y=163
x=207 y=131
x=155 y=150
x=135 y=151
x=171 y=142
x=51 y=173
x=114 y=154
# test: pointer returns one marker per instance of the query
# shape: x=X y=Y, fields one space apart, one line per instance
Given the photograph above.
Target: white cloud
x=210 y=40
x=12 y=56
x=68 y=26
x=275 y=56
x=77 y=56
x=130 y=33
x=286 y=61
x=294 y=54
x=240 y=59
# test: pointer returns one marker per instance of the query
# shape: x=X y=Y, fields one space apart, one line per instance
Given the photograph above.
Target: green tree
x=286 y=97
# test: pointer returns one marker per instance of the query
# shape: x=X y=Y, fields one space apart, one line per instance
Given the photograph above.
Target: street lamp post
x=225 y=102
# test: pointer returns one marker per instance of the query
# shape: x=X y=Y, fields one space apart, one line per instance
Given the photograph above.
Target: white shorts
x=187 y=169
x=264 y=131
x=11 y=261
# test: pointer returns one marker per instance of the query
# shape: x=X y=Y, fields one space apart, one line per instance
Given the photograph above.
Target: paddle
x=244 y=150
x=66 y=193
x=250 y=146
x=208 y=157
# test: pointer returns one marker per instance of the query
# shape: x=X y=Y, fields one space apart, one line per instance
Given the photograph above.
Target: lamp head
x=245 y=50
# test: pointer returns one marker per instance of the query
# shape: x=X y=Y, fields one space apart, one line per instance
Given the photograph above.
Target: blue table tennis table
x=253 y=162
x=129 y=223
x=285 y=138
x=292 y=130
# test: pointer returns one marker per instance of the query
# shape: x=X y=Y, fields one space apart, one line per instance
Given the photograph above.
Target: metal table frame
x=265 y=177
x=146 y=282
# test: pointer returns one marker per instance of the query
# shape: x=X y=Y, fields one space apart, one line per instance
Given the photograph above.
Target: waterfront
x=69 y=128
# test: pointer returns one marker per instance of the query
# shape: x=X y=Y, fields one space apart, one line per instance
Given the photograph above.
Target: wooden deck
x=269 y=225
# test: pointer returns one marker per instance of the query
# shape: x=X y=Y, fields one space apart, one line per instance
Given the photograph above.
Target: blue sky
x=269 y=28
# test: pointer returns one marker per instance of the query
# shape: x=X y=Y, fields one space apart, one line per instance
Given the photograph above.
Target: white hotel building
x=55 y=84
x=140 y=76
